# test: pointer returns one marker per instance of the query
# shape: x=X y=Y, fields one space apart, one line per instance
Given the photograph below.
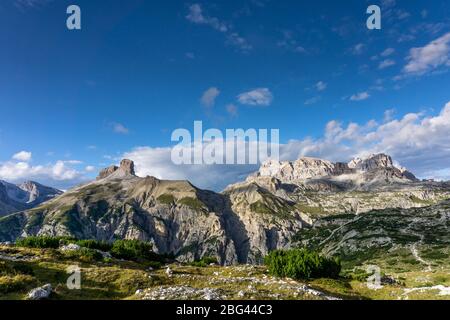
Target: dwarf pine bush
x=301 y=264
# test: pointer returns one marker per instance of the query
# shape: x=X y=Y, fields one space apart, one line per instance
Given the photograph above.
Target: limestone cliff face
x=357 y=173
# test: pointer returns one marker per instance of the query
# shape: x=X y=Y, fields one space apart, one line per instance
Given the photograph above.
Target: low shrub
x=133 y=250
x=84 y=254
x=204 y=262
x=95 y=244
x=301 y=264
x=42 y=242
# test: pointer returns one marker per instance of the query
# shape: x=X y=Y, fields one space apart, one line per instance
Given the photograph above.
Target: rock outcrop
x=356 y=173
x=27 y=195
x=40 y=293
x=126 y=168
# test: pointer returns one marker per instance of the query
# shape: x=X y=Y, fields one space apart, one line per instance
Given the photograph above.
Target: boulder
x=40 y=293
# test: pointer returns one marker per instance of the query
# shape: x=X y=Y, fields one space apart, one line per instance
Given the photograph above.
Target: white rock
x=169 y=272
x=70 y=247
x=40 y=293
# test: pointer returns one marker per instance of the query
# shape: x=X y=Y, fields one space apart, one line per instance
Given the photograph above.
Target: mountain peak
x=126 y=168
x=374 y=161
x=375 y=167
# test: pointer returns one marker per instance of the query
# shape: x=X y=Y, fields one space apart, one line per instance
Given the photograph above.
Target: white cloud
x=120 y=128
x=358 y=49
x=238 y=41
x=157 y=162
x=208 y=98
x=24 y=156
x=416 y=141
x=59 y=174
x=89 y=169
x=360 y=96
x=197 y=16
x=428 y=58
x=31 y=3
x=256 y=97
x=386 y=63
x=389 y=115
x=320 y=86
x=387 y=52
x=312 y=100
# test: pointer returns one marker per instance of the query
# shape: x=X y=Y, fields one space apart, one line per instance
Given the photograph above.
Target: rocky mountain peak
x=374 y=161
x=126 y=168
x=376 y=167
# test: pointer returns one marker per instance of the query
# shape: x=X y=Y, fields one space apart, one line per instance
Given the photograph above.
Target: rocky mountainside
x=176 y=216
x=389 y=237
x=240 y=225
x=358 y=174
x=27 y=195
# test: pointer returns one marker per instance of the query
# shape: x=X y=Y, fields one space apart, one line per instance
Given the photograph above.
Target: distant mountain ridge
x=241 y=224
x=24 y=196
x=359 y=172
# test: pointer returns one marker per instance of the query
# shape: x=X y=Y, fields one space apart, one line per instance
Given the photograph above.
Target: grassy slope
x=120 y=280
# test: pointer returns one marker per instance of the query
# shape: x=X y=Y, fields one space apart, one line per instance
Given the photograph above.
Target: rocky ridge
x=241 y=224
x=24 y=196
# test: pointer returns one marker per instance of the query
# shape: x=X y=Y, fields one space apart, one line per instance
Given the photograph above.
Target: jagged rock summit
x=126 y=168
x=377 y=168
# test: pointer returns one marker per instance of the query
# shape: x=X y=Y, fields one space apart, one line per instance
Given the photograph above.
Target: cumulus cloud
x=24 y=156
x=60 y=174
x=428 y=58
x=208 y=98
x=256 y=97
x=360 y=96
x=157 y=162
x=416 y=141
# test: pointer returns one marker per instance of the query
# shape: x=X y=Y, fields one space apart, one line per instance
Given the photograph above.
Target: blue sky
x=72 y=102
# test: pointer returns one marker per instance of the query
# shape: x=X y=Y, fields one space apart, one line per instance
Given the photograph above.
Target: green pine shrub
x=301 y=264
x=42 y=242
x=133 y=250
x=204 y=262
